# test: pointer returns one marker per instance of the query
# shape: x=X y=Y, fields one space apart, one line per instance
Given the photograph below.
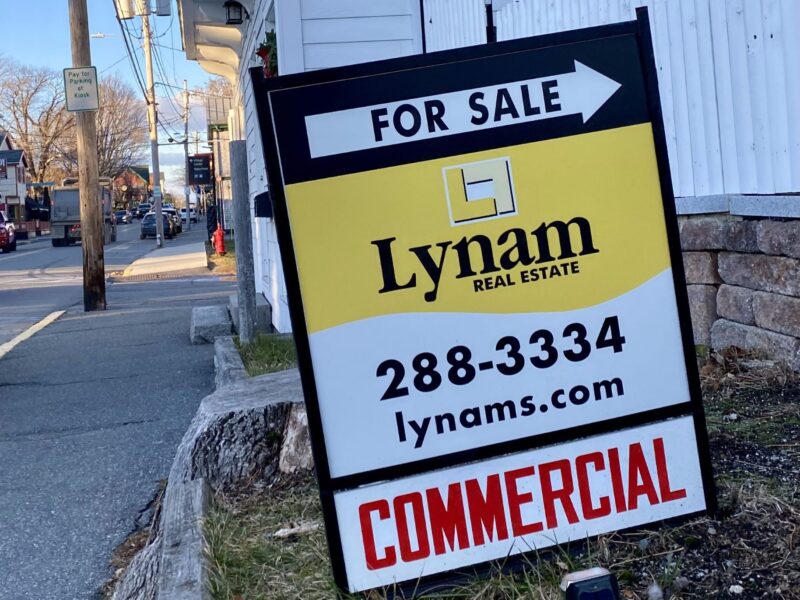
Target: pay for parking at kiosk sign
x=483 y=271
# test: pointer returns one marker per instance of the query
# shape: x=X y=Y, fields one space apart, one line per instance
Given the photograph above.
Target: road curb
x=249 y=429
x=228 y=365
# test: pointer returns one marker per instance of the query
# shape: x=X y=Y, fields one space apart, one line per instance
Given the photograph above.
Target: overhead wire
x=131 y=54
x=161 y=69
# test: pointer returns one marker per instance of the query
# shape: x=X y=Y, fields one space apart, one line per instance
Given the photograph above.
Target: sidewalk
x=185 y=255
x=91 y=411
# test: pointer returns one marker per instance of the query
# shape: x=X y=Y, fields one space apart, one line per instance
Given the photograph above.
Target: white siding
x=352 y=31
x=313 y=34
x=267 y=261
x=454 y=24
x=729 y=78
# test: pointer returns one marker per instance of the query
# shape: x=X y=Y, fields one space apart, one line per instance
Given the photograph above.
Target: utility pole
x=153 y=119
x=92 y=230
x=245 y=277
x=186 y=154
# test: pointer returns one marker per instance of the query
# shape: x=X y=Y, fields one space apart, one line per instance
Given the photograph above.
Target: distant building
x=13 y=178
x=131 y=186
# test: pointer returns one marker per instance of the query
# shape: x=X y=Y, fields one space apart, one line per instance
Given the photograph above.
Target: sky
x=36 y=33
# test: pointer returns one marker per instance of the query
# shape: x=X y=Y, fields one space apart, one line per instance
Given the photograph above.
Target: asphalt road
x=38 y=279
x=91 y=411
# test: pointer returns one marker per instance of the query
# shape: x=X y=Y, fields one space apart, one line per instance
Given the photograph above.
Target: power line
x=194 y=92
x=131 y=54
x=116 y=62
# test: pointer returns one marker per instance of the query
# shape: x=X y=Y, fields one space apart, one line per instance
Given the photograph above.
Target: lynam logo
x=479 y=191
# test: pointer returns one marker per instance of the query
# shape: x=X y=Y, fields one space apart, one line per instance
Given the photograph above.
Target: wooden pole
x=153 y=121
x=92 y=230
x=245 y=277
x=186 y=155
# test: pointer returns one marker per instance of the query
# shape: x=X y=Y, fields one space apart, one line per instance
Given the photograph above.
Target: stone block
x=741 y=236
x=777 y=313
x=237 y=434
x=703 y=306
x=704 y=233
x=777 y=346
x=761 y=272
x=208 y=323
x=263 y=313
x=228 y=365
x=296 y=450
x=701 y=267
x=736 y=304
x=779 y=237
x=183 y=568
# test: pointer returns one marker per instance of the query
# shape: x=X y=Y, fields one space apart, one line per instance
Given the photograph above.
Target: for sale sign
x=487 y=295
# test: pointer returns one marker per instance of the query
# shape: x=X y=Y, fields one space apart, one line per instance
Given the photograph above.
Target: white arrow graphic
x=580 y=92
x=585 y=90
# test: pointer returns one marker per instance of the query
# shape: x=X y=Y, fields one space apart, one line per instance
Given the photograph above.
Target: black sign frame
x=640 y=28
x=195 y=175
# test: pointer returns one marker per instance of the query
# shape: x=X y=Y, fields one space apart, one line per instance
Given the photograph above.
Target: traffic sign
x=80 y=89
x=488 y=300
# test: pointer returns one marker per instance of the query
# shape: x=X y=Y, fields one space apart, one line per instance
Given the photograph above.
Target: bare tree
x=33 y=111
x=121 y=130
x=217 y=86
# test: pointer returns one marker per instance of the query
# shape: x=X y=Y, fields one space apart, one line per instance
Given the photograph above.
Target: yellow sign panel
x=402 y=253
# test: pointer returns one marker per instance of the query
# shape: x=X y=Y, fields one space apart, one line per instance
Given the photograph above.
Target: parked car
x=123 y=216
x=8 y=237
x=143 y=209
x=149 y=226
x=173 y=214
x=192 y=215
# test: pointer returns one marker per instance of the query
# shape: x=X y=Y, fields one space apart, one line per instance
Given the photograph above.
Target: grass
x=247 y=560
x=222 y=264
x=268 y=354
x=754 y=546
x=753 y=542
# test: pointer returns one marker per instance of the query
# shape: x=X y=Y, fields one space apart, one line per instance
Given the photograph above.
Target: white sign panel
x=80 y=89
x=445 y=520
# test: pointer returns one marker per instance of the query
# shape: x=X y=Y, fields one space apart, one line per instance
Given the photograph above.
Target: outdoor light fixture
x=234 y=13
x=592 y=584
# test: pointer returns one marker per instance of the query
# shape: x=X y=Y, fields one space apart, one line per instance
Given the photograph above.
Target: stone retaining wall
x=743 y=278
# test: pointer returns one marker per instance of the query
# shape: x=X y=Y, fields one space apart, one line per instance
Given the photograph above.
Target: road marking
x=9 y=346
x=21 y=253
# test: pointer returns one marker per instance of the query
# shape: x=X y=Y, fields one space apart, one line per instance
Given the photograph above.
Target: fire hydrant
x=219 y=240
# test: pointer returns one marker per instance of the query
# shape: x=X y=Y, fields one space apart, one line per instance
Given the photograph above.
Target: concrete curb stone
x=228 y=365
x=248 y=429
x=208 y=323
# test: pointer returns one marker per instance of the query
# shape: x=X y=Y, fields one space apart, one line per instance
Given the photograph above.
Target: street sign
x=487 y=296
x=80 y=89
x=201 y=170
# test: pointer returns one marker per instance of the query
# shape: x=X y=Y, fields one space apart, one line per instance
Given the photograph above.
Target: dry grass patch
x=222 y=264
x=755 y=545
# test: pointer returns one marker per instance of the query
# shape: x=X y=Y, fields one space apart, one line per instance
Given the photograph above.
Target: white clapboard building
x=729 y=76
